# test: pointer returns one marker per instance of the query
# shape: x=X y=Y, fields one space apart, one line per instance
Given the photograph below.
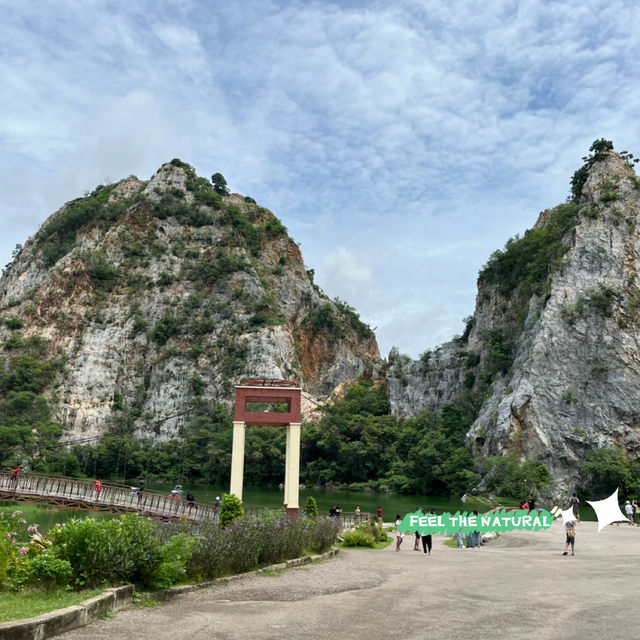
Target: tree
x=605 y=471
x=219 y=184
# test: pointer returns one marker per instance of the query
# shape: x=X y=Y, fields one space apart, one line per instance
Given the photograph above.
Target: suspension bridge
x=70 y=493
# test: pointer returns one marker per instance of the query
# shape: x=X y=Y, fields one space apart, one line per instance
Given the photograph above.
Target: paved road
x=519 y=586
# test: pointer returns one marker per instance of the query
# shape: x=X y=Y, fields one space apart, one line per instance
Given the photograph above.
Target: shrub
x=602 y=299
x=243 y=227
x=321 y=534
x=273 y=228
x=50 y=571
x=358 y=538
x=231 y=509
x=103 y=275
x=208 y=198
x=311 y=508
x=166 y=327
x=13 y=323
x=26 y=374
x=323 y=317
x=109 y=551
x=256 y=541
x=175 y=556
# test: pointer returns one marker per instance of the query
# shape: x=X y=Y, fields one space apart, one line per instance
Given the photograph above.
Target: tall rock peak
x=550 y=360
x=140 y=300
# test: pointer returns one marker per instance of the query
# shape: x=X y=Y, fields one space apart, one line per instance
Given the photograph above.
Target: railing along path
x=79 y=494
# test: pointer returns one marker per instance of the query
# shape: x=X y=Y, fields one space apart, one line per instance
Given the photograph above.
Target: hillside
x=140 y=302
x=550 y=360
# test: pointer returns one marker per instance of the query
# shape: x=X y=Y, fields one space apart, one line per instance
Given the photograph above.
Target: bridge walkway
x=81 y=494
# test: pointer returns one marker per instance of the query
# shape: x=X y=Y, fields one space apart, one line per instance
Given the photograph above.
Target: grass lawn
x=17 y=606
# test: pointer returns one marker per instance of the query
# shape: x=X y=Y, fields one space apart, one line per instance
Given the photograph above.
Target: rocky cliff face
x=144 y=295
x=552 y=353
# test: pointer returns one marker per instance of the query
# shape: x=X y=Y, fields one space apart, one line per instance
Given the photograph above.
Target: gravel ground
x=519 y=586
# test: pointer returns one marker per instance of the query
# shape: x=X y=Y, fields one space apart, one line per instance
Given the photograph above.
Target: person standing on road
x=416 y=544
x=476 y=536
x=628 y=509
x=570 y=528
x=399 y=534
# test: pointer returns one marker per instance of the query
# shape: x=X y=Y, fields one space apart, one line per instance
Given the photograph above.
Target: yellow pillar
x=292 y=497
x=286 y=467
x=237 y=459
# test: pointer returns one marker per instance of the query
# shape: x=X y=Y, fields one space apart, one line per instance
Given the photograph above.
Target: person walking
x=416 y=544
x=379 y=514
x=427 y=540
x=98 y=489
x=14 y=476
x=570 y=529
x=140 y=493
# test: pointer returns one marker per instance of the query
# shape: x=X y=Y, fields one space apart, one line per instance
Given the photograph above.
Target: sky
x=400 y=142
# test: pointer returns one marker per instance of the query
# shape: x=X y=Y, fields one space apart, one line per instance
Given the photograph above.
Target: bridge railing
x=84 y=492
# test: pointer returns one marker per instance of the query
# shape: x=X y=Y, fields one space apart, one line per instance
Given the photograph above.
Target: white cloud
x=404 y=142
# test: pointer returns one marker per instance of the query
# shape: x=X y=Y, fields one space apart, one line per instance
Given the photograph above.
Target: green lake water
x=391 y=503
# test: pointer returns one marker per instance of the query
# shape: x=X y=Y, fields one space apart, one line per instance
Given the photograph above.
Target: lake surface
x=391 y=503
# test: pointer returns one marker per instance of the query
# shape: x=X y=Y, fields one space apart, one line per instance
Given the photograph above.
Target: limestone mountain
x=133 y=300
x=549 y=362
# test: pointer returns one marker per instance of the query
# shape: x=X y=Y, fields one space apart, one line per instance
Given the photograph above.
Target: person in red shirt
x=98 y=489
x=379 y=514
x=15 y=474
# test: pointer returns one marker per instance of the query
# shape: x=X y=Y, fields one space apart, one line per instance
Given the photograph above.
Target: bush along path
x=153 y=555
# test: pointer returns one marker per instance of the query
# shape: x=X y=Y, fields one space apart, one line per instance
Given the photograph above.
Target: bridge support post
x=292 y=469
x=237 y=459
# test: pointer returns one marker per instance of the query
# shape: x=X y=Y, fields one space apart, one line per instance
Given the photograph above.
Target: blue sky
x=400 y=142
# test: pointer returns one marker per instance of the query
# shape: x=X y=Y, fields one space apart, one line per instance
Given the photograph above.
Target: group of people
x=474 y=538
x=335 y=512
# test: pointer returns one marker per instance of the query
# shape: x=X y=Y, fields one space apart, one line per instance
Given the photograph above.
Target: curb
x=55 y=622
x=63 y=620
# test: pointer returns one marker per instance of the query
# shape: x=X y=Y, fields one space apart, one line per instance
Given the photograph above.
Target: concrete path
x=519 y=586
